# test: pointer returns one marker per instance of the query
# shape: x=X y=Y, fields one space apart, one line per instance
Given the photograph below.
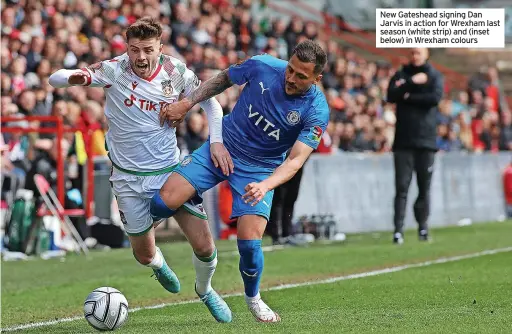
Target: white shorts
x=134 y=193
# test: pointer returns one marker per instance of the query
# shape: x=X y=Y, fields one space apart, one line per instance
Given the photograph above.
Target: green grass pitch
x=465 y=296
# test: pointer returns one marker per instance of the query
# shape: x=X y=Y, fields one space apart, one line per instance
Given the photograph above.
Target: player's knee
x=158 y=207
x=247 y=232
x=251 y=254
x=205 y=249
x=170 y=198
x=143 y=257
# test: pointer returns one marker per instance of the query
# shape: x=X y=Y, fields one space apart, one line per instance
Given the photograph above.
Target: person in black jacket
x=416 y=89
x=281 y=213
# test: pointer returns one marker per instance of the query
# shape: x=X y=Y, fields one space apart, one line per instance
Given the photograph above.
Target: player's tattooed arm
x=212 y=87
x=174 y=113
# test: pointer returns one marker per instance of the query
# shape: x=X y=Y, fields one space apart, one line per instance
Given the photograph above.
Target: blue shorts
x=198 y=169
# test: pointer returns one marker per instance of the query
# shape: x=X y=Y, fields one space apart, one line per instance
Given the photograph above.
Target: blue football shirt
x=266 y=122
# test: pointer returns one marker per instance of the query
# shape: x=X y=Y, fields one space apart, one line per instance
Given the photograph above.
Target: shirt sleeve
x=101 y=74
x=245 y=71
x=192 y=82
x=211 y=106
x=315 y=124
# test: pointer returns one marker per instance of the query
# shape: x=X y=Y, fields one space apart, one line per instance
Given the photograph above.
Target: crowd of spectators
x=40 y=37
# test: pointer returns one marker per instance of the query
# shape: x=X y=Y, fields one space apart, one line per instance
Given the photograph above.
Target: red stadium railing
x=59 y=130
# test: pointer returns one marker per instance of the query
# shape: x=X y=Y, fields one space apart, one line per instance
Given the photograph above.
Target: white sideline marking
x=285 y=286
x=264 y=249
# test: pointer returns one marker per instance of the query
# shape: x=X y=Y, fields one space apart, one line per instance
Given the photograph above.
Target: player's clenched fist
x=174 y=113
x=78 y=78
x=255 y=192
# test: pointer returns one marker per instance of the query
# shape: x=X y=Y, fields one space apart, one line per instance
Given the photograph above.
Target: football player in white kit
x=137 y=84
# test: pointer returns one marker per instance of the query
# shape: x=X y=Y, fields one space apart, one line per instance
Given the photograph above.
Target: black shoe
x=398 y=238
x=423 y=235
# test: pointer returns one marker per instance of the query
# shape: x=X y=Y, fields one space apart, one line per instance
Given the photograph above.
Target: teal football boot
x=217 y=306
x=167 y=277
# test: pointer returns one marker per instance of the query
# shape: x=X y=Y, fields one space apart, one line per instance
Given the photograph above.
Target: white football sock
x=254 y=299
x=204 y=273
x=158 y=260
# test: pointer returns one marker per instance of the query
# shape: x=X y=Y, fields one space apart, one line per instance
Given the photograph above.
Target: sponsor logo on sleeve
x=315 y=134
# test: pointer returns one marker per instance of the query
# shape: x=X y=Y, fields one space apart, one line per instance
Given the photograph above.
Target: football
x=106 y=309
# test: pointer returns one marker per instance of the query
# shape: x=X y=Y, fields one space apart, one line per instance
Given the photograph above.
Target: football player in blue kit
x=280 y=108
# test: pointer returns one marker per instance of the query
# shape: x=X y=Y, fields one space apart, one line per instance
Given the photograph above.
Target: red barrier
x=59 y=130
x=507 y=184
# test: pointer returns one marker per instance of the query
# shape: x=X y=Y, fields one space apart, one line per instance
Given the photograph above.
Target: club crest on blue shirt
x=315 y=133
x=186 y=161
x=167 y=87
x=293 y=117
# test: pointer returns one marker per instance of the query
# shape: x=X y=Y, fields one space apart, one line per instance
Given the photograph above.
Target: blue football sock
x=158 y=209
x=251 y=265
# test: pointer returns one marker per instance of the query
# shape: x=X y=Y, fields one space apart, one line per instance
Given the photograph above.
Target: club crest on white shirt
x=167 y=88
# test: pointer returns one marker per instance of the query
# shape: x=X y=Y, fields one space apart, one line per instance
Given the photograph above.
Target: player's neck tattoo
x=211 y=87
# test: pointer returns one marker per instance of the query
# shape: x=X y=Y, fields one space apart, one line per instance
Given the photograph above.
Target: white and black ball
x=106 y=309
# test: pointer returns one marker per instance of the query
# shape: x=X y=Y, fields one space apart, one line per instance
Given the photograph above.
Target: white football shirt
x=135 y=140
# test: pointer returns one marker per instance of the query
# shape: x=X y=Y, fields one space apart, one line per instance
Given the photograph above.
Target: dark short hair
x=310 y=52
x=144 y=28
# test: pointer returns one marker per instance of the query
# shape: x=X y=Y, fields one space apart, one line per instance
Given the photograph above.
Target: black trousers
x=282 y=207
x=421 y=162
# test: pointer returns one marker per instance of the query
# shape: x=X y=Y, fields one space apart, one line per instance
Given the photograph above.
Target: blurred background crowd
x=40 y=37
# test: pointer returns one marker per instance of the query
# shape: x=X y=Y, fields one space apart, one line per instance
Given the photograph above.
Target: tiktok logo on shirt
x=146 y=105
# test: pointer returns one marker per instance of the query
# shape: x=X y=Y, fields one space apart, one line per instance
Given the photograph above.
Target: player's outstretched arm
x=298 y=156
x=67 y=78
x=100 y=74
x=175 y=112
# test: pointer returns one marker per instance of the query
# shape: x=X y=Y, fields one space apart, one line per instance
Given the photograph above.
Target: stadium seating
x=38 y=39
